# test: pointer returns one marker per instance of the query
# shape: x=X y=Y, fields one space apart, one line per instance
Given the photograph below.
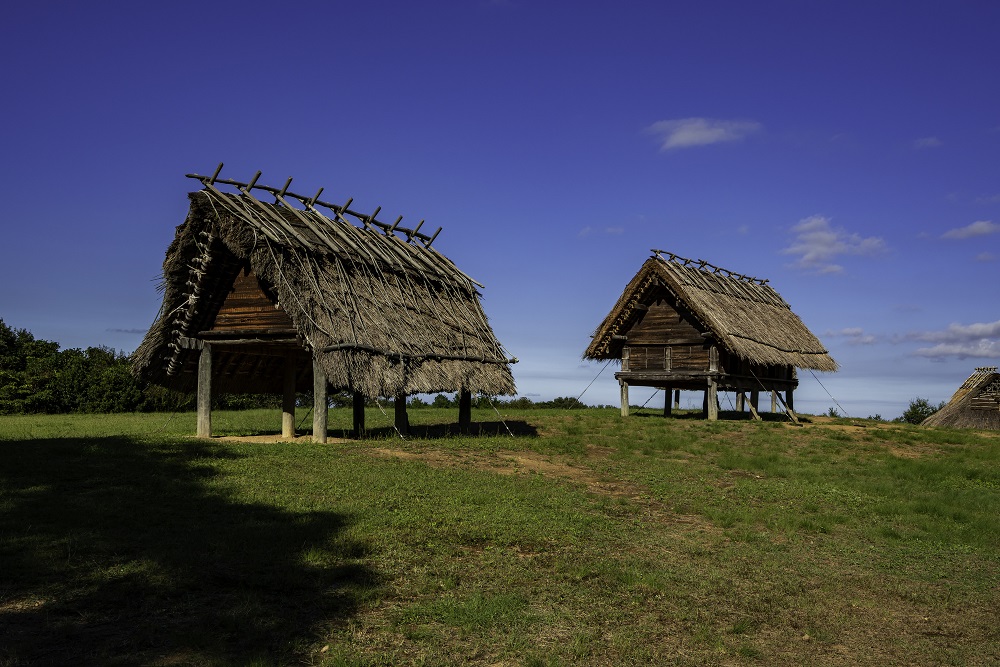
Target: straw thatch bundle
x=383 y=316
x=976 y=404
x=746 y=316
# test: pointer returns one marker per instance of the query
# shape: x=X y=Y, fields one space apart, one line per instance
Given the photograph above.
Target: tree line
x=36 y=377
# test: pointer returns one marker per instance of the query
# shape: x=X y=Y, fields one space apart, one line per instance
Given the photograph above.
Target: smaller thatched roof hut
x=976 y=404
x=687 y=324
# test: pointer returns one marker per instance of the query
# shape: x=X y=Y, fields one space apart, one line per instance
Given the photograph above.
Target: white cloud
x=983 y=349
x=817 y=244
x=927 y=142
x=986 y=257
x=614 y=230
x=980 y=340
x=977 y=228
x=960 y=333
x=687 y=132
x=853 y=336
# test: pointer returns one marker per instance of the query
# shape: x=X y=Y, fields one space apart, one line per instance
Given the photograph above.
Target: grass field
x=548 y=538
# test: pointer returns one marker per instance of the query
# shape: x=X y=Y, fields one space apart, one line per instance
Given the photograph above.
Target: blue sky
x=847 y=151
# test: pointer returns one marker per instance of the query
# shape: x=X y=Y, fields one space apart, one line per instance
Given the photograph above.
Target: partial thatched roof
x=976 y=404
x=745 y=315
x=385 y=314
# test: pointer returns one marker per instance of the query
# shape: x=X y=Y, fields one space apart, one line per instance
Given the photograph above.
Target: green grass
x=573 y=538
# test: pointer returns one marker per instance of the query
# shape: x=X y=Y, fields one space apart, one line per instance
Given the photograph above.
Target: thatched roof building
x=687 y=324
x=976 y=404
x=271 y=286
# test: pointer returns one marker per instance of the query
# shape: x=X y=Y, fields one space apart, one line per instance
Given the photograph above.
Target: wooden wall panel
x=662 y=323
x=689 y=358
x=248 y=308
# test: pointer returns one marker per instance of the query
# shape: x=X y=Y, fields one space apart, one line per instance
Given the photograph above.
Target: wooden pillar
x=712 y=391
x=288 y=399
x=667 y=396
x=774 y=400
x=712 y=400
x=624 y=390
x=739 y=402
x=755 y=400
x=320 y=406
x=788 y=400
x=677 y=399
x=464 y=410
x=205 y=392
x=402 y=420
x=358 y=406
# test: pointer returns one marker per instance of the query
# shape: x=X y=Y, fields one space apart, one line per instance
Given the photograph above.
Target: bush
x=919 y=410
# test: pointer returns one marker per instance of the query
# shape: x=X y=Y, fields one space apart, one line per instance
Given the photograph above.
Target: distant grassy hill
x=551 y=537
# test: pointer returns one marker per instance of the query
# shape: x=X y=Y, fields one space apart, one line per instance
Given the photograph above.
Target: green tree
x=919 y=410
x=27 y=372
x=442 y=401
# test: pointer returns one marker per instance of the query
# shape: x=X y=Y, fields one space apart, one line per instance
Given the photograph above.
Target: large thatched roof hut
x=289 y=295
x=976 y=404
x=686 y=324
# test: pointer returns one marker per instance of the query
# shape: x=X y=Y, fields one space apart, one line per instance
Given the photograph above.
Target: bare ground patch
x=547 y=465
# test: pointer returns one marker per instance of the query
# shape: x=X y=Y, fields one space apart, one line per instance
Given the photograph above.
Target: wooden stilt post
x=288 y=399
x=774 y=400
x=624 y=390
x=320 y=406
x=464 y=410
x=755 y=401
x=739 y=402
x=677 y=399
x=712 y=398
x=667 y=397
x=205 y=392
x=358 y=407
x=402 y=420
x=788 y=400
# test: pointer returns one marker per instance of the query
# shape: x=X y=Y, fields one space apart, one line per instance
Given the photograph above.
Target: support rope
x=594 y=380
x=842 y=410
x=500 y=416
x=393 y=421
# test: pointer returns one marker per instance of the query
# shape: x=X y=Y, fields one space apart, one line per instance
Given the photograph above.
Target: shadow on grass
x=724 y=415
x=116 y=552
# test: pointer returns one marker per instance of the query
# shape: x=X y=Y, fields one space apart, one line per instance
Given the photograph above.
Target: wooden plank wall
x=248 y=308
x=663 y=339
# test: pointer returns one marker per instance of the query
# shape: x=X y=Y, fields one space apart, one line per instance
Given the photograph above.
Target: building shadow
x=724 y=415
x=120 y=552
x=511 y=428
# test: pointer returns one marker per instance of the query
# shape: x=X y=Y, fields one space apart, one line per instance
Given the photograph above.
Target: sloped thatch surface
x=966 y=407
x=746 y=316
x=386 y=316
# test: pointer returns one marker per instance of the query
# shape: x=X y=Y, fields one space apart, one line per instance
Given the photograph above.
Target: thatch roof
x=976 y=404
x=745 y=315
x=384 y=314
